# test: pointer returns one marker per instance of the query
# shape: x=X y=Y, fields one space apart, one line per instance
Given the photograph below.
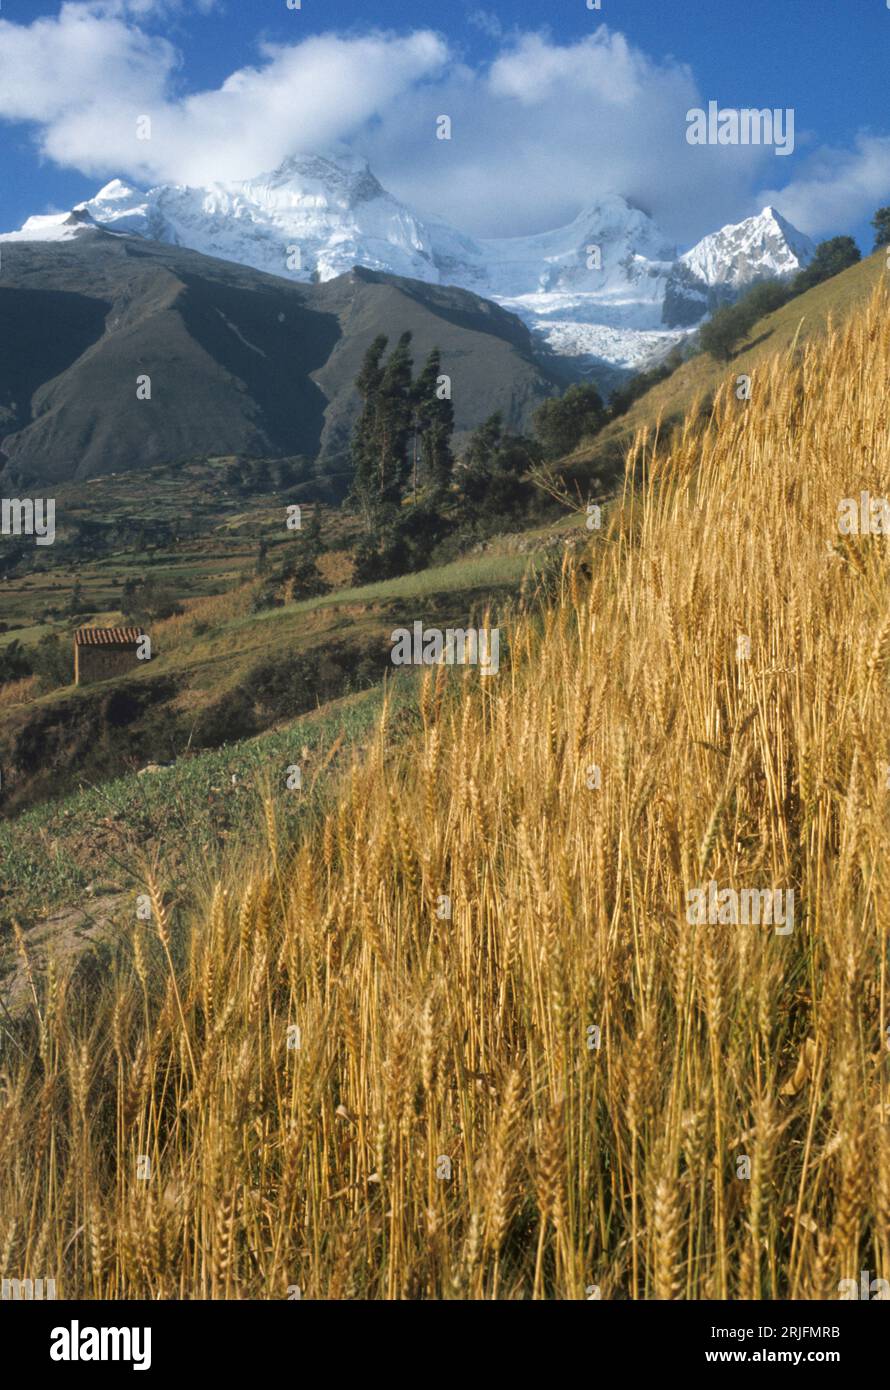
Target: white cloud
x=78 y=61
x=837 y=189
x=86 y=76
x=602 y=67
x=305 y=97
x=538 y=133
x=547 y=127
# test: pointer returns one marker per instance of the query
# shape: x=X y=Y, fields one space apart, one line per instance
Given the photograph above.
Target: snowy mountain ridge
x=607 y=289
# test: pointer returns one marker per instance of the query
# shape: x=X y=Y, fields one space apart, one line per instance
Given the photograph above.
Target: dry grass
x=430 y=1045
x=199 y=613
x=17 y=692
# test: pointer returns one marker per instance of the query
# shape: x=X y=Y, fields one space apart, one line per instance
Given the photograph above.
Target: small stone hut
x=101 y=652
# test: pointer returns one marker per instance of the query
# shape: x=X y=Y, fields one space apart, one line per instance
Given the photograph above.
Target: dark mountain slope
x=240 y=362
x=44 y=332
x=486 y=351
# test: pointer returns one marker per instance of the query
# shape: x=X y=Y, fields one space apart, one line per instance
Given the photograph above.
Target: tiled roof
x=106 y=636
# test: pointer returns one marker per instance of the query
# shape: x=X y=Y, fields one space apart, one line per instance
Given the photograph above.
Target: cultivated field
x=460 y=1038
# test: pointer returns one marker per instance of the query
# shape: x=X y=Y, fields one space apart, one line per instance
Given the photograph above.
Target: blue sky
x=551 y=105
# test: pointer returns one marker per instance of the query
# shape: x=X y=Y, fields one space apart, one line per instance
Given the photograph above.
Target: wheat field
x=329 y=1085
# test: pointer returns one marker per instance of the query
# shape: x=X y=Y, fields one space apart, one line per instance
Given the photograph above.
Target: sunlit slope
x=520 y=1069
x=803 y=319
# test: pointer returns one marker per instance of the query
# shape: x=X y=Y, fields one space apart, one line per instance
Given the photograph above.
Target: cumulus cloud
x=303 y=97
x=85 y=77
x=538 y=132
x=546 y=127
x=837 y=189
x=57 y=67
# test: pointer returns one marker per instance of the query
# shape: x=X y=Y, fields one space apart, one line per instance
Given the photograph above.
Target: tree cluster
x=401 y=448
x=402 y=439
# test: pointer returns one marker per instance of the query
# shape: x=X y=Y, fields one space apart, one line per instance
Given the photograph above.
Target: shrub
x=830 y=259
x=561 y=423
x=15 y=663
x=881 y=224
x=723 y=332
x=52 y=662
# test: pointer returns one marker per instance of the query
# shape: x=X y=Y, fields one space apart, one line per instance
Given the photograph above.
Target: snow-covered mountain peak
x=344 y=181
x=312 y=218
x=606 y=288
x=115 y=191
x=744 y=252
x=54 y=226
